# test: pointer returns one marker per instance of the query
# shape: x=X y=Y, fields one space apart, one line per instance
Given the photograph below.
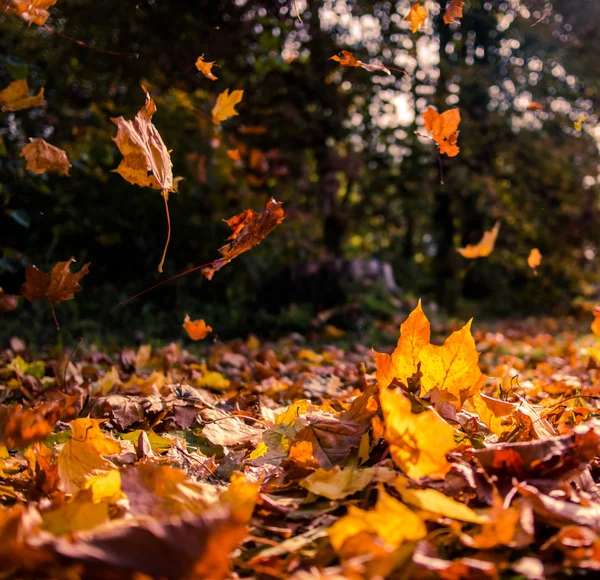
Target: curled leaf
x=205 y=68
x=348 y=59
x=484 y=247
x=42 y=157
x=16 y=97
x=454 y=12
x=196 y=329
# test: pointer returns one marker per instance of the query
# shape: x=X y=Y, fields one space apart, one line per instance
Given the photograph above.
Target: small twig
x=69 y=361
x=165 y=195
x=54 y=314
x=81 y=43
x=297 y=12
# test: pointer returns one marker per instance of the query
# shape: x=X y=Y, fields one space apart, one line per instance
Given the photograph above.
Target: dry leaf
x=535 y=107
x=484 y=247
x=43 y=157
x=443 y=129
x=34 y=11
x=234 y=154
x=249 y=228
x=196 y=329
x=146 y=161
x=454 y=12
x=225 y=105
x=416 y=16
x=60 y=285
x=595 y=326
x=205 y=68
x=348 y=59
x=16 y=97
x=534 y=259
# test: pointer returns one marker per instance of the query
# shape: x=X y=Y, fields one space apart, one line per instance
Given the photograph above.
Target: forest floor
x=306 y=459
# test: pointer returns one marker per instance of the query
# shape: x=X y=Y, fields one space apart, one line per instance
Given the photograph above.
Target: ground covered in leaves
x=305 y=460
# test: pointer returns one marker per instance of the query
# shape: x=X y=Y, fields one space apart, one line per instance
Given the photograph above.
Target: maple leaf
x=8 y=302
x=225 y=105
x=418 y=442
x=205 y=68
x=196 y=329
x=534 y=259
x=16 y=97
x=32 y=11
x=249 y=228
x=59 y=286
x=348 y=59
x=146 y=161
x=484 y=247
x=443 y=129
x=454 y=12
x=42 y=157
x=82 y=455
x=416 y=16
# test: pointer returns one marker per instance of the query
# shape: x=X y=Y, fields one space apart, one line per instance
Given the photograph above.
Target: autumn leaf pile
x=304 y=461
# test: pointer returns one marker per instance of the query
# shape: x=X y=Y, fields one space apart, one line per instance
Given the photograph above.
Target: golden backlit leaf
x=16 y=97
x=42 y=157
x=534 y=259
x=82 y=455
x=484 y=247
x=196 y=329
x=32 y=11
x=205 y=68
x=402 y=364
x=79 y=514
x=454 y=12
x=416 y=16
x=346 y=58
x=225 y=105
x=418 y=442
x=249 y=228
x=443 y=129
x=60 y=285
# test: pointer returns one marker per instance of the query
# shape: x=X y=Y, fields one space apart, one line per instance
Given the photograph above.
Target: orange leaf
x=596 y=324
x=196 y=329
x=205 y=67
x=29 y=10
x=60 y=285
x=535 y=107
x=249 y=228
x=454 y=11
x=225 y=106
x=443 y=129
x=234 y=154
x=42 y=157
x=534 y=259
x=348 y=59
x=16 y=97
x=484 y=247
x=416 y=16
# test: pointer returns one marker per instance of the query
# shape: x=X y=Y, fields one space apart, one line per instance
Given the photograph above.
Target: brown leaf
x=60 y=285
x=249 y=228
x=16 y=97
x=43 y=157
x=348 y=59
x=454 y=12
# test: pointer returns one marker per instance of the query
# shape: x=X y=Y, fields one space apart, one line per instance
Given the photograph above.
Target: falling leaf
x=443 y=129
x=225 y=105
x=348 y=59
x=146 y=161
x=82 y=455
x=454 y=12
x=60 y=285
x=33 y=11
x=43 y=157
x=16 y=97
x=196 y=329
x=578 y=124
x=249 y=228
x=534 y=259
x=205 y=68
x=416 y=16
x=8 y=302
x=595 y=326
x=535 y=107
x=234 y=154
x=484 y=247
x=418 y=442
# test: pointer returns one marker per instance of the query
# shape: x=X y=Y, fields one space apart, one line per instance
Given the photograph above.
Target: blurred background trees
x=339 y=146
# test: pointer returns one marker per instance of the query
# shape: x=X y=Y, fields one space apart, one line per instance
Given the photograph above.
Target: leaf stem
x=54 y=314
x=165 y=195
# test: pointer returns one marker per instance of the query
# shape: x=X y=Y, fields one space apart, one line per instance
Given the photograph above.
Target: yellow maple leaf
x=42 y=157
x=16 y=97
x=484 y=247
x=402 y=364
x=205 y=68
x=82 y=455
x=416 y=16
x=225 y=105
x=418 y=442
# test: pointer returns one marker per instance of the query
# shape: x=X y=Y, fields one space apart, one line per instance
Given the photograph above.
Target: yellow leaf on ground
x=79 y=514
x=82 y=455
x=484 y=247
x=416 y=16
x=205 y=68
x=42 y=157
x=418 y=442
x=225 y=105
x=15 y=97
x=106 y=486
